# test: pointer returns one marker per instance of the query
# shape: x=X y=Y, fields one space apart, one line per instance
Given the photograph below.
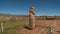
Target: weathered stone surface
x=32 y=17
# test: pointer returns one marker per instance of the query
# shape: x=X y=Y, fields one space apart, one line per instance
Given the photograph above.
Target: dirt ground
x=55 y=24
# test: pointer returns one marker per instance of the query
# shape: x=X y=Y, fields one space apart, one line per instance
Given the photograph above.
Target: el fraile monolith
x=32 y=20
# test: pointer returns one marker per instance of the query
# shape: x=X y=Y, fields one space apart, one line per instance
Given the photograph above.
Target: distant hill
x=13 y=15
x=5 y=14
x=37 y=17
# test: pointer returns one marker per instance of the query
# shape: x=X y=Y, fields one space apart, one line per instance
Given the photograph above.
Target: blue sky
x=21 y=7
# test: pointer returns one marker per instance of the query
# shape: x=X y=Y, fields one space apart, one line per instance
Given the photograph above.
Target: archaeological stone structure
x=32 y=17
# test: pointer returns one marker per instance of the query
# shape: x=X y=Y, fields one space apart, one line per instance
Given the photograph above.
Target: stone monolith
x=32 y=17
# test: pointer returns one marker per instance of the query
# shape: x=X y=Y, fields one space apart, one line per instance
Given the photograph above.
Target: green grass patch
x=12 y=25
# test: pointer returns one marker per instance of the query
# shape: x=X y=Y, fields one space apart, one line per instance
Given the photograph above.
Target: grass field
x=12 y=26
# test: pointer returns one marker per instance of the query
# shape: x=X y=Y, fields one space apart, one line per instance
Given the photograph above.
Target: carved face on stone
x=32 y=10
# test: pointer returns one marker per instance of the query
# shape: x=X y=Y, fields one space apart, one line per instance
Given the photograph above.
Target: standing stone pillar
x=32 y=17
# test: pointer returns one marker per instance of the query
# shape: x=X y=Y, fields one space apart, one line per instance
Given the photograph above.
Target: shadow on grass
x=27 y=27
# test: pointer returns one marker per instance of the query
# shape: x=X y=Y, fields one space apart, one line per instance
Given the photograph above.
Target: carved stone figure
x=32 y=17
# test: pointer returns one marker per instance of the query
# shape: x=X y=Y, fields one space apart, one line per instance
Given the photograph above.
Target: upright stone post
x=32 y=17
x=2 y=27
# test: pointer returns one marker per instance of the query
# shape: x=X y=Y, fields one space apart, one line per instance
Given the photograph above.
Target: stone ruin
x=32 y=17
